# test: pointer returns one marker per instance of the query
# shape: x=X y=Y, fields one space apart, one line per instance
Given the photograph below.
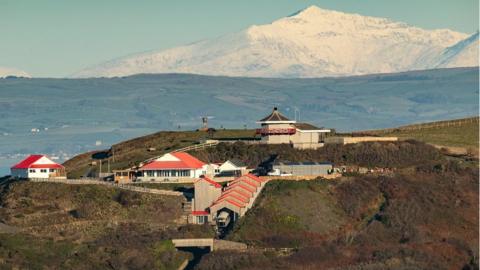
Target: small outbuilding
x=301 y=168
x=38 y=166
x=231 y=167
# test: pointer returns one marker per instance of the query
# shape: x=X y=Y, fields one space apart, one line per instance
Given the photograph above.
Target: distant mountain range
x=12 y=72
x=310 y=43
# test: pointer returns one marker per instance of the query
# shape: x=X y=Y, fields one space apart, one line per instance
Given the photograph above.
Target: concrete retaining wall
x=350 y=140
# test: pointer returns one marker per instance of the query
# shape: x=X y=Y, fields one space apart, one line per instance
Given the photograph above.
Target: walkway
x=213 y=244
x=112 y=184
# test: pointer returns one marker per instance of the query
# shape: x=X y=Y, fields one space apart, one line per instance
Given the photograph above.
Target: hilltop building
x=172 y=167
x=38 y=166
x=278 y=129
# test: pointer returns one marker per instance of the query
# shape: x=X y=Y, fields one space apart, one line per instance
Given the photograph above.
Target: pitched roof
x=238 y=192
x=249 y=181
x=241 y=185
x=215 y=184
x=46 y=166
x=234 y=196
x=254 y=177
x=29 y=162
x=229 y=201
x=237 y=162
x=306 y=126
x=185 y=161
x=275 y=116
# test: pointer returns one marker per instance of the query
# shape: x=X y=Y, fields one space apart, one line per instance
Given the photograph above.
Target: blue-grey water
x=71 y=116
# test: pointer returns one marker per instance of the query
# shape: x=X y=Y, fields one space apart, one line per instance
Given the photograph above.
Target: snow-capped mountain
x=310 y=43
x=6 y=72
x=462 y=54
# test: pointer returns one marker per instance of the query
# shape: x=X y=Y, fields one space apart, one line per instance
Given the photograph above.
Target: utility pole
x=296 y=111
x=100 y=172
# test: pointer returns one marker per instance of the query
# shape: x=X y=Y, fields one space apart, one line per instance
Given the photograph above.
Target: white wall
x=38 y=173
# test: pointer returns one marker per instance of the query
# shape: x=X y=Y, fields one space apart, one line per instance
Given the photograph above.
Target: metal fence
x=438 y=124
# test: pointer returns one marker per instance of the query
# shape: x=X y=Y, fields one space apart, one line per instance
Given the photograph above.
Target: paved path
x=98 y=182
x=213 y=244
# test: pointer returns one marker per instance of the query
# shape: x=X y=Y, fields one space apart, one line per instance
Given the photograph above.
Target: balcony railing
x=276 y=131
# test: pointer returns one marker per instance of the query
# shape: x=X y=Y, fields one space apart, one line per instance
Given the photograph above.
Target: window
x=43 y=170
x=32 y=171
x=202 y=219
x=184 y=173
x=150 y=173
x=52 y=170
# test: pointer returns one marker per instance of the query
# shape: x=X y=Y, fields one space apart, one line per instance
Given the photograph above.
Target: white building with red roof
x=172 y=167
x=38 y=166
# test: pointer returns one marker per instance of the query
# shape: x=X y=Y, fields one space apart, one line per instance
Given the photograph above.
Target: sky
x=56 y=38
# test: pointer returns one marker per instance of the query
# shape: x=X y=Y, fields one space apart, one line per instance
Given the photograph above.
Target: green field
x=465 y=135
x=462 y=133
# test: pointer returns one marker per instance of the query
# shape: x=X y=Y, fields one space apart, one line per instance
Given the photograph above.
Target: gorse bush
x=371 y=154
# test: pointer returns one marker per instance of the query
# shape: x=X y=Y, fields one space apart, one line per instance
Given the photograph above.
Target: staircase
x=187 y=210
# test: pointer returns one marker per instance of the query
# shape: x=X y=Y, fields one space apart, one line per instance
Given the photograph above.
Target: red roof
x=247 y=181
x=241 y=185
x=29 y=163
x=215 y=184
x=234 y=196
x=238 y=192
x=46 y=166
x=186 y=161
x=200 y=213
x=254 y=177
x=229 y=201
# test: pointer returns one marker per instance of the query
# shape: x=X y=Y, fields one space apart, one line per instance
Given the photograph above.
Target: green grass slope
x=457 y=133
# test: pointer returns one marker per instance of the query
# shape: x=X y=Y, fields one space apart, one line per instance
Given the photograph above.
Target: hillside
x=311 y=43
x=423 y=215
x=132 y=152
x=422 y=220
x=460 y=133
x=59 y=226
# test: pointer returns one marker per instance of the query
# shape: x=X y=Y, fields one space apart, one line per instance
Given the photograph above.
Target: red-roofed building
x=172 y=167
x=206 y=192
x=215 y=204
x=37 y=166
